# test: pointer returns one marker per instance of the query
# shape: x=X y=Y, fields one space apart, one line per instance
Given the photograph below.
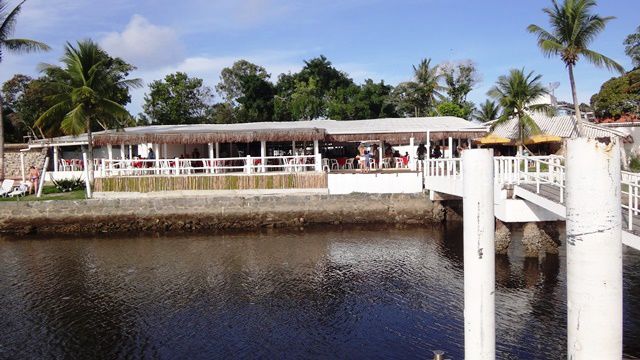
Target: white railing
x=449 y=167
x=630 y=190
x=247 y=165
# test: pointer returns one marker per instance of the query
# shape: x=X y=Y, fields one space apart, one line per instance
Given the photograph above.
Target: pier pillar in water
x=502 y=238
x=479 y=254
x=594 y=250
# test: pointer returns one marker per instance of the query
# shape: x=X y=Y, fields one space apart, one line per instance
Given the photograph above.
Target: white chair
x=386 y=163
x=7 y=187
x=349 y=164
x=19 y=190
x=325 y=165
x=399 y=163
x=334 y=164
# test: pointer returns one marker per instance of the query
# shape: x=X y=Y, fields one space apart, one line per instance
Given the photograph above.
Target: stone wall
x=214 y=213
x=34 y=157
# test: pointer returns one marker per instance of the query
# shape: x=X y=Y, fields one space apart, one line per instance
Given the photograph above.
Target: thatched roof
x=225 y=136
x=393 y=130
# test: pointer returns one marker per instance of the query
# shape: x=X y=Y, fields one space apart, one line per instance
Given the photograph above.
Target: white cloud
x=144 y=44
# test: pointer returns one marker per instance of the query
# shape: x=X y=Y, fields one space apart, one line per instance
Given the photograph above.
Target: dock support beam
x=479 y=255
x=594 y=250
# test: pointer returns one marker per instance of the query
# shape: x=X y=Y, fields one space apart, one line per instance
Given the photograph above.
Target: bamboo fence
x=146 y=184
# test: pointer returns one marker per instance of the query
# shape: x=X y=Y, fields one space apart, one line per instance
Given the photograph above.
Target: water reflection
x=342 y=293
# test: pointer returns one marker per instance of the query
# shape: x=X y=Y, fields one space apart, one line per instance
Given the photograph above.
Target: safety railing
x=449 y=167
x=630 y=190
x=543 y=170
x=248 y=165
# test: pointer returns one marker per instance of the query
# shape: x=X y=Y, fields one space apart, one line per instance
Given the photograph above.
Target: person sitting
x=436 y=153
x=421 y=151
x=34 y=177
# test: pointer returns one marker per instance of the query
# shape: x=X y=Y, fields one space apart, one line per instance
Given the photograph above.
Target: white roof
x=561 y=126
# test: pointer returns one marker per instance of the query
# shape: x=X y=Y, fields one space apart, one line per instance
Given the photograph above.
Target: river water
x=330 y=293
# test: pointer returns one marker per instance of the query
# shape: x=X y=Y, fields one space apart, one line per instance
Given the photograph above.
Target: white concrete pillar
x=380 y=153
x=164 y=152
x=450 y=147
x=217 y=155
x=122 y=152
x=263 y=155
x=87 y=183
x=130 y=152
x=211 y=156
x=293 y=148
x=479 y=255
x=428 y=144
x=22 y=166
x=317 y=162
x=594 y=250
x=412 y=162
x=56 y=158
x=110 y=156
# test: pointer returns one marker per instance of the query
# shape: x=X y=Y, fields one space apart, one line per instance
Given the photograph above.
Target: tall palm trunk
x=89 y=150
x=575 y=101
x=1 y=140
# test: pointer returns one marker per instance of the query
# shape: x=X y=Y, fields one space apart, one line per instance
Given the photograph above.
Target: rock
x=503 y=238
x=531 y=240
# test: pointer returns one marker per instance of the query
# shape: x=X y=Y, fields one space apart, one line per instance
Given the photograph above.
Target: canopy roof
x=554 y=128
x=394 y=130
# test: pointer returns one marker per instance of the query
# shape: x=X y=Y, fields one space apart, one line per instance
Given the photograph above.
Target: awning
x=542 y=138
x=492 y=139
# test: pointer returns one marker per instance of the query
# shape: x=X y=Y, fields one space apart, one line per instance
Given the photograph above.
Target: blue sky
x=368 y=39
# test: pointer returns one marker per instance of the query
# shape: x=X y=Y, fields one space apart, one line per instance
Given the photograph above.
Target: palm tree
x=488 y=111
x=8 y=21
x=573 y=28
x=428 y=86
x=515 y=93
x=82 y=89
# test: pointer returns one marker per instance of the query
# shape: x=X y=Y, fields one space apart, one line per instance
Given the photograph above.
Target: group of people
x=369 y=159
x=435 y=152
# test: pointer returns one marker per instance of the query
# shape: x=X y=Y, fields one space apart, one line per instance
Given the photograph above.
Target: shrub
x=65 y=185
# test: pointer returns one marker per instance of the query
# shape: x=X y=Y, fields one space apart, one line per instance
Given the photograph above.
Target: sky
x=377 y=39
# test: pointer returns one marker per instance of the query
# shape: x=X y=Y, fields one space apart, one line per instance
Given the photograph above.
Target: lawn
x=49 y=192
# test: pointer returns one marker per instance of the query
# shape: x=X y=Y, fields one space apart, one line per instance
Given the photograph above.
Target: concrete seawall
x=213 y=213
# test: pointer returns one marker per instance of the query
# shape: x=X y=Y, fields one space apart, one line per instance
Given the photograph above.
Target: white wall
x=375 y=183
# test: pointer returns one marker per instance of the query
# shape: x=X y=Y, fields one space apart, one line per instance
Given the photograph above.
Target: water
x=353 y=293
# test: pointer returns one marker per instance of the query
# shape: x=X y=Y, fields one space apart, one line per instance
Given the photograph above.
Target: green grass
x=49 y=192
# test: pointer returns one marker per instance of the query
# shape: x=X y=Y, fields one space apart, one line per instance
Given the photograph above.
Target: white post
x=211 y=157
x=594 y=250
x=380 y=153
x=22 y=166
x=164 y=152
x=263 y=155
x=412 y=162
x=293 y=148
x=248 y=165
x=56 y=158
x=122 y=152
x=450 y=147
x=217 y=155
x=42 y=176
x=86 y=174
x=479 y=255
x=110 y=156
x=130 y=152
x=428 y=154
x=317 y=162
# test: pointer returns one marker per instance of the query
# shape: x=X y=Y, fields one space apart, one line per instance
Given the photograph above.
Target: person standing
x=34 y=177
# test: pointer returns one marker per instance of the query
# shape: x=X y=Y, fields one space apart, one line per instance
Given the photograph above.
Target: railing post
x=86 y=174
x=248 y=165
x=594 y=250
x=317 y=162
x=479 y=254
x=538 y=176
x=177 y=161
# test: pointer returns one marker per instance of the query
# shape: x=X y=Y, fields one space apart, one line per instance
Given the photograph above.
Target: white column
x=211 y=156
x=56 y=158
x=22 y=166
x=428 y=142
x=122 y=152
x=110 y=156
x=380 y=153
x=43 y=176
x=87 y=183
x=217 y=155
x=412 y=162
x=594 y=250
x=317 y=158
x=293 y=148
x=263 y=155
x=450 y=147
x=130 y=152
x=479 y=255
x=164 y=152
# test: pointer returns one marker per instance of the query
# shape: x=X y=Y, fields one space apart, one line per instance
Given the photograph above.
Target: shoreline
x=198 y=213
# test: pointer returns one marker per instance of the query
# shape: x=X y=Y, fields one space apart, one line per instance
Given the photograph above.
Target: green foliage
x=67 y=185
x=488 y=111
x=178 y=99
x=448 y=108
x=307 y=101
x=514 y=92
x=618 y=96
x=231 y=86
x=634 y=164
x=256 y=102
x=632 y=47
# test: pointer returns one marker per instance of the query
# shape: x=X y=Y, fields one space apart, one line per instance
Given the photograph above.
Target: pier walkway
x=530 y=189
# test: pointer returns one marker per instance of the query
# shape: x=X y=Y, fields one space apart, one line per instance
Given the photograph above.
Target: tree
x=178 y=99
x=231 y=78
x=515 y=92
x=618 y=96
x=488 y=111
x=83 y=88
x=345 y=103
x=428 y=89
x=256 y=103
x=377 y=99
x=632 y=47
x=26 y=99
x=448 y=108
x=8 y=20
x=573 y=28
x=460 y=80
x=326 y=76
x=406 y=99
x=307 y=102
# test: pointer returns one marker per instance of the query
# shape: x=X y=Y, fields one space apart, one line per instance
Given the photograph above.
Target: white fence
x=248 y=165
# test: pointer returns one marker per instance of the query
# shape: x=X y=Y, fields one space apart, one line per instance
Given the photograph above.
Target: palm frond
x=74 y=122
x=600 y=60
x=132 y=83
x=51 y=118
x=9 y=24
x=25 y=45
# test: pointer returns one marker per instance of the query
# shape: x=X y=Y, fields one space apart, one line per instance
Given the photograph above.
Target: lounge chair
x=19 y=190
x=7 y=187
